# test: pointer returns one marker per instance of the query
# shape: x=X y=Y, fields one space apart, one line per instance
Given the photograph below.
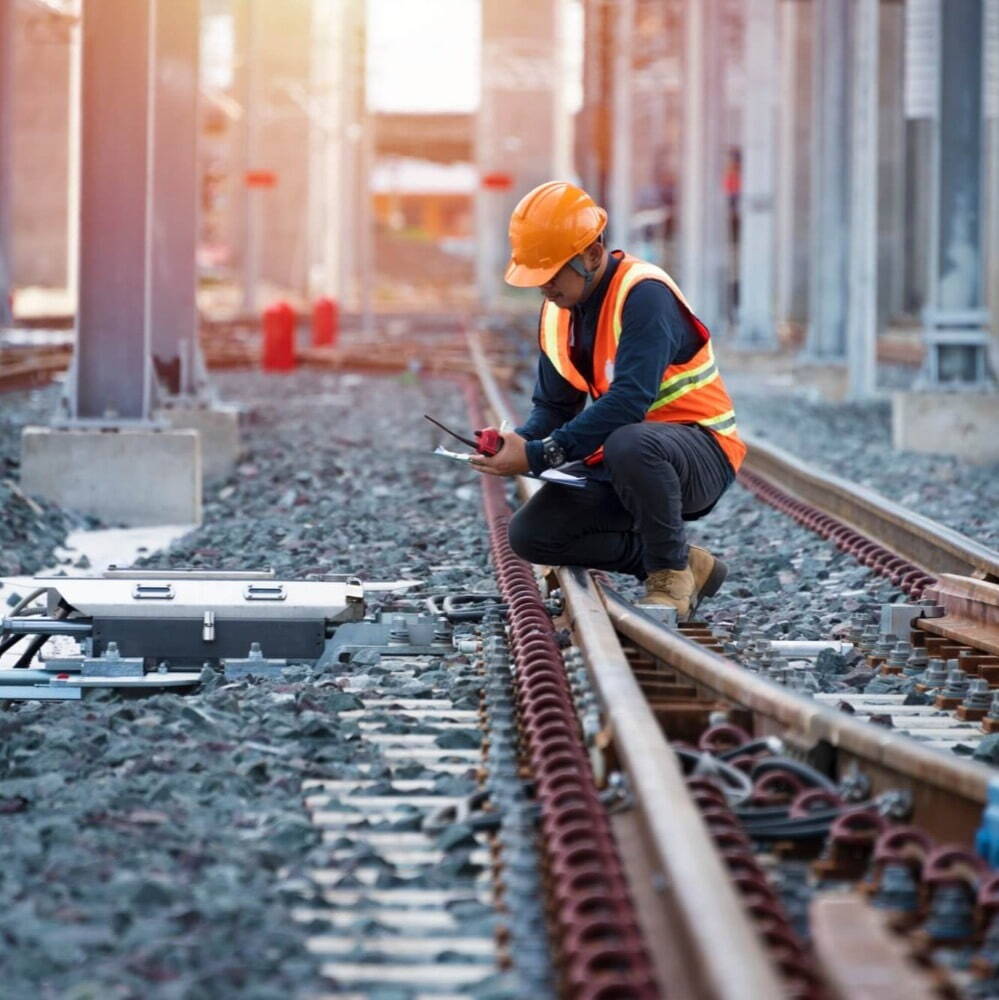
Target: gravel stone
x=155 y=847
x=31 y=528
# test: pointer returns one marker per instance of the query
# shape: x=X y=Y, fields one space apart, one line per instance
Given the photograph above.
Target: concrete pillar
x=862 y=314
x=703 y=253
x=956 y=318
x=892 y=207
x=757 y=329
x=173 y=310
x=794 y=171
x=826 y=338
x=6 y=145
x=620 y=202
x=515 y=128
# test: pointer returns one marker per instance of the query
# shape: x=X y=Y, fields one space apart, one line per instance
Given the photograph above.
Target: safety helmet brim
x=522 y=276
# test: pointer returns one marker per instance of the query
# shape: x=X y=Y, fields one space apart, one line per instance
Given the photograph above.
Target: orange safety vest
x=691 y=393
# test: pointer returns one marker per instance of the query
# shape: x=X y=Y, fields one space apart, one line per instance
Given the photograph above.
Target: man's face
x=568 y=288
x=565 y=289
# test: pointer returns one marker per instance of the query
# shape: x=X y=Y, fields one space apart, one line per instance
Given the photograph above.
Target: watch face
x=553 y=453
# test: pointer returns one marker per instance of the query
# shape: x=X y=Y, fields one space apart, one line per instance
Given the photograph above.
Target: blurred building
x=39 y=160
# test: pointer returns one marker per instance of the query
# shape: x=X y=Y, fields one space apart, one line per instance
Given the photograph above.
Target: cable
x=772 y=744
x=736 y=784
x=11 y=640
x=800 y=770
x=18 y=609
x=29 y=654
x=39 y=640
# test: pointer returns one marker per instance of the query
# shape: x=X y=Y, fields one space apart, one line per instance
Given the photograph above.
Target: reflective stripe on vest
x=691 y=392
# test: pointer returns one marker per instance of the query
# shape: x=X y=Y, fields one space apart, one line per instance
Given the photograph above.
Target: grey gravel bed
x=155 y=847
x=30 y=528
x=783 y=580
x=854 y=441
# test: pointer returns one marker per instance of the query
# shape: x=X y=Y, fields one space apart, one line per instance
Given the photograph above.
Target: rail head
x=928 y=544
x=802 y=716
x=721 y=946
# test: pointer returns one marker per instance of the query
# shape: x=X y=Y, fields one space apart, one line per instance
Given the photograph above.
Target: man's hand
x=510 y=460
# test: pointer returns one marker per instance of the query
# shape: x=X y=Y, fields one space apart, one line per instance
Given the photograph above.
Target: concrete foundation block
x=965 y=424
x=828 y=380
x=131 y=477
x=219 y=430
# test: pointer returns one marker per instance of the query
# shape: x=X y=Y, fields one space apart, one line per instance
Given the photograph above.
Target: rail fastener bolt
x=976 y=702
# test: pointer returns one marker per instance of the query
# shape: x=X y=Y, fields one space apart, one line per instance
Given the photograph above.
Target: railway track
x=579 y=800
x=852 y=799
x=403 y=344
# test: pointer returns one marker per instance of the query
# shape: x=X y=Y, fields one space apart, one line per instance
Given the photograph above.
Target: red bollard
x=279 y=338
x=325 y=323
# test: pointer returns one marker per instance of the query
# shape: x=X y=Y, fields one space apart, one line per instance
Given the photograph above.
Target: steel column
x=956 y=318
x=922 y=69
x=591 y=141
x=247 y=75
x=756 y=253
x=112 y=379
x=620 y=205
x=826 y=339
x=862 y=315
x=326 y=231
x=891 y=131
x=6 y=146
x=702 y=221
x=173 y=305
x=992 y=184
x=73 y=130
x=793 y=206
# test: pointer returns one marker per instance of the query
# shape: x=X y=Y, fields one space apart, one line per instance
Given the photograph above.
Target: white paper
x=548 y=476
x=562 y=478
x=455 y=456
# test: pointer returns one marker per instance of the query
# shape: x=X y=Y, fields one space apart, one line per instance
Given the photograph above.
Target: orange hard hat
x=549 y=226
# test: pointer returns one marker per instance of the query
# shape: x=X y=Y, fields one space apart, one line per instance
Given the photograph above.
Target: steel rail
x=948 y=791
x=921 y=540
x=971 y=612
x=719 y=946
x=717 y=939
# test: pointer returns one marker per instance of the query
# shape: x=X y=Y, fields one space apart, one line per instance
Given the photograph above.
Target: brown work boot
x=708 y=572
x=673 y=588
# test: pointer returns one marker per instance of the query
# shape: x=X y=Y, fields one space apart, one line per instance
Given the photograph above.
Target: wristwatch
x=553 y=452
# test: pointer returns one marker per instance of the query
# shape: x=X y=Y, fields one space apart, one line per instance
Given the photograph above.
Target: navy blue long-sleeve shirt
x=654 y=334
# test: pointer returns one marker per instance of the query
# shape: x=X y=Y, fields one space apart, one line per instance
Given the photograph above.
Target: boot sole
x=712 y=584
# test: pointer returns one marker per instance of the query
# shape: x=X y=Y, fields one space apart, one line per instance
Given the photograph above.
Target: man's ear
x=593 y=255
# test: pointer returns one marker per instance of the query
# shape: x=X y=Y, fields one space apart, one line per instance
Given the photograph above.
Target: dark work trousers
x=656 y=476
